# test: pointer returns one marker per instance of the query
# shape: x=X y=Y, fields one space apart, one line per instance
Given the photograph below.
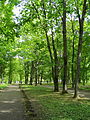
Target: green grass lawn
x=2 y=86
x=85 y=88
x=54 y=106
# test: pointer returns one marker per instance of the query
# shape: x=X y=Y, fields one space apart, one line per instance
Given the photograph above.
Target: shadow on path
x=11 y=104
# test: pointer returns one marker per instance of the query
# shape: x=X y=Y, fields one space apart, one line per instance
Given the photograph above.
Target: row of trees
x=50 y=42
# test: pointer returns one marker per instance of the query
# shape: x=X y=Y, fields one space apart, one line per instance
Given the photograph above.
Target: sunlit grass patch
x=2 y=86
x=85 y=88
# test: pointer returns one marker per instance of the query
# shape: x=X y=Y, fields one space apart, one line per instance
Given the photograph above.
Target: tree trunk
x=26 y=72
x=36 y=75
x=73 y=64
x=10 y=71
x=51 y=56
x=84 y=71
x=32 y=72
x=73 y=53
x=54 y=69
x=41 y=78
x=2 y=78
x=81 y=24
x=20 y=78
x=64 y=48
x=56 y=88
x=48 y=44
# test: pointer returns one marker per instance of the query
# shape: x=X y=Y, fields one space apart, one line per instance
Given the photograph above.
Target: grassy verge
x=53 y=106
x=2 y=86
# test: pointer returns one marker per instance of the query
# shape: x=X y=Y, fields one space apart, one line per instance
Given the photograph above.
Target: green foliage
x=24 y=39
x=2 y=86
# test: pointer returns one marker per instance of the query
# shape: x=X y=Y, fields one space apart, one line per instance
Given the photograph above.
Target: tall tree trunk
x=2 y=78
x=81 y=24
x=55 y=65
x=48 y=43
x=73 y=64
x=84 y=71
x=2 y=72
x=41 y=78
x=68 y=75
x=64 y=48
x=26 y=72
x=10 y=71
x=32 y=72
x=20 y=78
x=54 y=69
x=36 y=75
x=73 y=52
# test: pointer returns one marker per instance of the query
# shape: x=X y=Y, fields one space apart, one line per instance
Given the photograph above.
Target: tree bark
x=41 y=77
x=56 y=88
x=26 y=72
x=32 y=72
x=54 y=69
x=81 y=24
x=84 y=70
x=20 y=78
x=36 y=74
x=64 y=48
x=73 y=32
x=10 y=71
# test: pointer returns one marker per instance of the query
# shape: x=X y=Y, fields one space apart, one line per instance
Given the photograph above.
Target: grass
x=85 y=88
x=81 y=86
x=2 y=86
x=54 y=106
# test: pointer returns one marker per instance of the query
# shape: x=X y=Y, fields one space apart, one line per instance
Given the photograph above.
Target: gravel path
x=11 y=104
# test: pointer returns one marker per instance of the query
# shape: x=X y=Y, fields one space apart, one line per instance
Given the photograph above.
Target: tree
x=64 y=48
x=81 y=25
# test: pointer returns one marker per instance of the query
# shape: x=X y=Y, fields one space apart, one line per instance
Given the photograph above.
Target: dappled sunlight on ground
x=6 y=111
x=13 y=101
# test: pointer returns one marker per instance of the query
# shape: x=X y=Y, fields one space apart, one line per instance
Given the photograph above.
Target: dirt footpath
x=11 y=104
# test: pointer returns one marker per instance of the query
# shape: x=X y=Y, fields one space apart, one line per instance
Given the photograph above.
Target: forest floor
x=12 y=104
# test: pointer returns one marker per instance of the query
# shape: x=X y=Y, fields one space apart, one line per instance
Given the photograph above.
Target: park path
x=82 y=93
x=11 y=104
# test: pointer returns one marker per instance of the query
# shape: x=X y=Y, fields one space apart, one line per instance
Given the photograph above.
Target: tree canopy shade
x=49 y=40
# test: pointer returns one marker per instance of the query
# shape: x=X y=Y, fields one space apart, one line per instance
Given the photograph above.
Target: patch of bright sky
x=17 y=9
x=6 y=2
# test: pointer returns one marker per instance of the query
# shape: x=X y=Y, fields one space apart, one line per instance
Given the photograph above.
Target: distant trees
x=7 y=35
